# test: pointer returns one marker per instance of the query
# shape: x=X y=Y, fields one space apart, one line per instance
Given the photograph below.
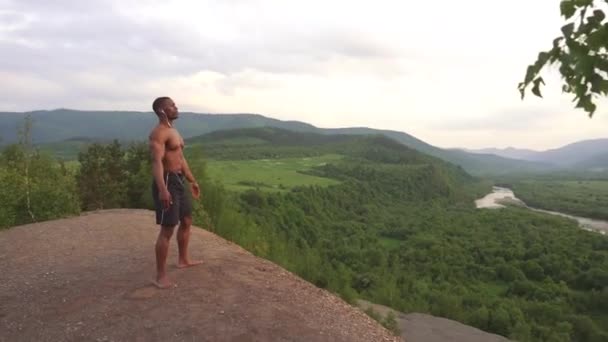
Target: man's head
x=164 y=107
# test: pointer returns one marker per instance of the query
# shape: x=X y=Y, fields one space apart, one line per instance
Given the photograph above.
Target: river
x=500 y=195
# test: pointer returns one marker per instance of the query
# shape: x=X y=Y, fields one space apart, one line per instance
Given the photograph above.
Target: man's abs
x=172 y=162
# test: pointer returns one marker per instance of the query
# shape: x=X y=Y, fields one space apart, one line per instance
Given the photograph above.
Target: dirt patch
x=87 y=278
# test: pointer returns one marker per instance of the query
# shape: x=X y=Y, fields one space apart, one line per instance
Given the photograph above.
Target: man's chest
x=174 y=141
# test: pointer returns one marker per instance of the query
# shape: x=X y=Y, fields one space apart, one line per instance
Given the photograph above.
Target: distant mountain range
x=509 y=152
x=71 y=126
x=583 y=154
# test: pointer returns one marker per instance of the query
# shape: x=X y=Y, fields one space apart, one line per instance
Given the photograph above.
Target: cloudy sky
x=445 y=71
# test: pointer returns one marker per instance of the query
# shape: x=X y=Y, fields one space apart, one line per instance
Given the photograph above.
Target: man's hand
x=196 y=190
x=165 y=198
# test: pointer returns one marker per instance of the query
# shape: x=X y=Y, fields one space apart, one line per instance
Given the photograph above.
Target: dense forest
x=398 y=228
x=587 y=198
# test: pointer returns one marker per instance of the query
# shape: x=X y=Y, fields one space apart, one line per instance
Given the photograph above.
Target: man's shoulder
x=159 y=132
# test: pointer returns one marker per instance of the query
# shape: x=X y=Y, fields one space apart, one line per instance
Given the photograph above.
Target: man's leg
x=162 y=249
x=183 y=239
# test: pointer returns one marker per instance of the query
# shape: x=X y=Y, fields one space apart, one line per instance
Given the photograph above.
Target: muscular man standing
x=172 y=201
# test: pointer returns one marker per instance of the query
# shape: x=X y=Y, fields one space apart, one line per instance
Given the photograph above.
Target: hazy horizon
x=328 y=127
x=442 y=71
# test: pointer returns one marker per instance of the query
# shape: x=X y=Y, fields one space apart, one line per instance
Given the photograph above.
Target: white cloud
x=445 y=71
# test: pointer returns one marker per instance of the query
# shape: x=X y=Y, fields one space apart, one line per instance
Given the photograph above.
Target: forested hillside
x=400 y=229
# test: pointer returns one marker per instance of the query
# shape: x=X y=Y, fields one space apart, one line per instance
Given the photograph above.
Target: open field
x=270 y=174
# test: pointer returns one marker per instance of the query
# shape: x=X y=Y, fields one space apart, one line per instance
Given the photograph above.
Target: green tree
x=581 y=53
x=25 y=142
x=480 y=318
x=521 y=332
x=584 y=329
x=33 y=186
x=139 y=176
x=102 y=178
x=533 y=270
x=508 y=273
x=499 y=321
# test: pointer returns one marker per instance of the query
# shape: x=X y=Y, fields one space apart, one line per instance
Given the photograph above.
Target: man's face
x=170 y=110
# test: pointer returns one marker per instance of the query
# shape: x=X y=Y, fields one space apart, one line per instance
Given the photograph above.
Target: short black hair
x=157 y=104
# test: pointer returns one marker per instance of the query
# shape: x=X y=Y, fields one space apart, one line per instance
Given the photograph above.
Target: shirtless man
x=172 y=202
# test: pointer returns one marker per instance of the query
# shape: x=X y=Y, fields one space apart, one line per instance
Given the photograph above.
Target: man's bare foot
x=162 y=284
x=184 y=264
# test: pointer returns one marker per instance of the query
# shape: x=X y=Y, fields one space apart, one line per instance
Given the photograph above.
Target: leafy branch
x=581 y=53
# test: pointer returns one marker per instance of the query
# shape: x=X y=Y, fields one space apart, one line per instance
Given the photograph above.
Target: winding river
x=500 y=195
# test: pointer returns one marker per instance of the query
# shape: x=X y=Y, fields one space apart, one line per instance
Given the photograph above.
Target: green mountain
x=435 y=176
x=63 y=124
x=573 y=154
x=273 y=142
x=509 y=152
x=475 y=163
x=596 y=162
x=267 y=135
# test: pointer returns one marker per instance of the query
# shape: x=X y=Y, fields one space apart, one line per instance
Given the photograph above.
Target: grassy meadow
x=270 y=174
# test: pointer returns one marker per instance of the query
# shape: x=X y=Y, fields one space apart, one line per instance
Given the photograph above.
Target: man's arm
x=190 y=177
x=157 y=149
x=187 y=171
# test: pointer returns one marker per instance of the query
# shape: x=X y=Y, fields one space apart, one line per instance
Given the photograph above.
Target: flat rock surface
x=87 y=278
x=417 y=327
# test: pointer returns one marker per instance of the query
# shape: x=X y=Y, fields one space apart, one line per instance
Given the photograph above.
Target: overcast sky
x=444 y=71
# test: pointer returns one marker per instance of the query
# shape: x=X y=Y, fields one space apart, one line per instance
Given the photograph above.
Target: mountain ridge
x=62 y=124
x=579 y=153
x=507 y=152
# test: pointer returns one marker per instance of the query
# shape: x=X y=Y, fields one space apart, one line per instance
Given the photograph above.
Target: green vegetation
x=33 y=186
x=400 y=230
x=390 y=243
x=270 y=174
x=110 y=176
x=511 y=272
x=389 y=321
x=396 y=227
x=37 y=187
x=581 y=53
x=586 y=198
x=65 y=150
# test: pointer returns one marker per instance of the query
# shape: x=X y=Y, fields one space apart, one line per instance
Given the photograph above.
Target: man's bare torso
x=173 y=147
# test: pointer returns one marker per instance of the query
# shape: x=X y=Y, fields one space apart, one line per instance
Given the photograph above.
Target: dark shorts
x=182 y=203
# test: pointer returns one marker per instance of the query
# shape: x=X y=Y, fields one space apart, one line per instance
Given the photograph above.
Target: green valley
x=363 y=216
x=400 y=229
